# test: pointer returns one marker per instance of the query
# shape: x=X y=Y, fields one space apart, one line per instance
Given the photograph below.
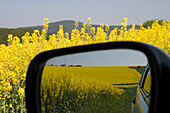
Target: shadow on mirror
x=92 y=82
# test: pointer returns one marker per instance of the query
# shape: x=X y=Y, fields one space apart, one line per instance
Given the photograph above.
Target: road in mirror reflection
x=92 y=82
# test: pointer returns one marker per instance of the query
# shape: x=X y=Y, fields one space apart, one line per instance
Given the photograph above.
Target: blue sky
x=20 y=13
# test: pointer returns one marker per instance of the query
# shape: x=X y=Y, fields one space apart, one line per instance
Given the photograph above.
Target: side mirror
x=99 y=78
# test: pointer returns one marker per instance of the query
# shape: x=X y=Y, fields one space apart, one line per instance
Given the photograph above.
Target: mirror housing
x=159 y=63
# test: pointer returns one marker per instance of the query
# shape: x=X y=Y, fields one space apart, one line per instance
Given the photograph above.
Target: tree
x=150 y=22
x=63 y=65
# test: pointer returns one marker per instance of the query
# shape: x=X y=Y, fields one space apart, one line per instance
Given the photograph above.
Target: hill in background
x=68 y=25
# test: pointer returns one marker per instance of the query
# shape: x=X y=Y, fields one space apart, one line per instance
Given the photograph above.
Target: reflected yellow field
x=83 y=84
x=108 y=74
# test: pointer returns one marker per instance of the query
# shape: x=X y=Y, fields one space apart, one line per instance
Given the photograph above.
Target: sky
x=23 y=13
x=123 y=57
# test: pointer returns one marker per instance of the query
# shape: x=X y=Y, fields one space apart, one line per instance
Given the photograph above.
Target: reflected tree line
x=64 y=65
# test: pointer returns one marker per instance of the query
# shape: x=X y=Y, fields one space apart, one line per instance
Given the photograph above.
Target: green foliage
x=150 y=22
x=140 y=69
x=15 y=32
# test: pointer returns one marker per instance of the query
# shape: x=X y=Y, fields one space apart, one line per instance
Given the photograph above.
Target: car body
x=140 y=103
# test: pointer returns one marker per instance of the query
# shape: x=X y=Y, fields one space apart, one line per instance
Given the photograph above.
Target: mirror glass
x=92 y=82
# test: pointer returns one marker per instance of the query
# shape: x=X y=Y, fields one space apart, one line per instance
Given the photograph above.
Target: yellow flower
x=101 y=25
x=46 y=20
x=21 y=92
x=76 y=24
x=84 y=25
x=10 y=105
x=35 y=31
x=89 y=20
x=107 y=28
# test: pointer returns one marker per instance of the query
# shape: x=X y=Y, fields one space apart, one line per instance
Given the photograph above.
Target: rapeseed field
x=16 y=56
x=80 y=86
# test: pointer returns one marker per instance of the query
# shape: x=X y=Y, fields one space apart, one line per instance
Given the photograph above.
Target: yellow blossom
x=21 y=92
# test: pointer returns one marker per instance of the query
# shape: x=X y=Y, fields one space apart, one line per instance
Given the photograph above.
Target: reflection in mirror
x=147 y=83
x=92 y=82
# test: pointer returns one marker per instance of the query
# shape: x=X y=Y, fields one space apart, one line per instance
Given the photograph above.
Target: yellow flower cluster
x=21 y=92
x=59 y=82
x=16 y=56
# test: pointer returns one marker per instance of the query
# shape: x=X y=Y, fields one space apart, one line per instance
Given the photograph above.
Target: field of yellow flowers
x=16 y=56
x=75 y=88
